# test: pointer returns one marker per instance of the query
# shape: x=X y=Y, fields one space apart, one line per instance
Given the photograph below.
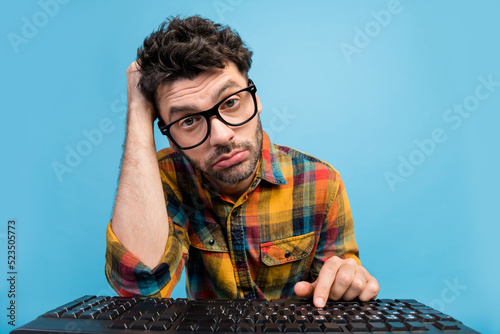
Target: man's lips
x=231 y=159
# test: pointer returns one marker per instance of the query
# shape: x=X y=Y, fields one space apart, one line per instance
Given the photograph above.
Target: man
x=247 y=218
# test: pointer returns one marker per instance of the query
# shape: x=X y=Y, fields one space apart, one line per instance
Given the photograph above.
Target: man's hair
x=185 y=48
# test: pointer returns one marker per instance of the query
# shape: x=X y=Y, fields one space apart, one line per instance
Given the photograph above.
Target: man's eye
x=188 y=121
x=231 y=103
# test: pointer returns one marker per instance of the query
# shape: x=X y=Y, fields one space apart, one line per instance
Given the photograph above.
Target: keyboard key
x=187 y=326
x=373 y=318
x=282 y=319
x=408 y=317
x=230 y=319
x=354 y=318
x=160 y=325
x=245 y=327
x=272 y=327
x=140 y=324
x=396 y=326
x=151 y=316
x=120 y=324
x=83 y=307
x=358 y=327
x=427 y=318
x=415 y=326
x=387 y=318
x=90 y=314
x=131 y=315
x=376 y=326
x=168 y=316
x=442 y=316
x=167 y=301
x=56 y=313
x=72 y=314
x=312 y=328
x=386 y=300
x=225 y=327
x=181 y=301
x=319 y=319
x=444 y=325
x=69 y=306
x=406 y=301
x=208 y=326
x=331 y=328
x=108 y=315
x=263 y=319
x=292 y=328
x=132 y=300
x=338 y=319
x=302 y=319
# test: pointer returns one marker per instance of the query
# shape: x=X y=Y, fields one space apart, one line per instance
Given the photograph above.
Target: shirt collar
x=269 y=168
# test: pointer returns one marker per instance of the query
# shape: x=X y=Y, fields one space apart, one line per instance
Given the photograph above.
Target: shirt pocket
x=209 y=268
x=283 y=263
x=207 y=238
x=208 y=252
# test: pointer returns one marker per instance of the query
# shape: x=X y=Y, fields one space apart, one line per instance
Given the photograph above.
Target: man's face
x=230 y=154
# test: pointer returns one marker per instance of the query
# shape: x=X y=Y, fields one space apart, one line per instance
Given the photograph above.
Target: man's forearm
x=140 y=216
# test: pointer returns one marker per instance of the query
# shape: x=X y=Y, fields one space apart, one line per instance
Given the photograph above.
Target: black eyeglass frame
x=207 y=114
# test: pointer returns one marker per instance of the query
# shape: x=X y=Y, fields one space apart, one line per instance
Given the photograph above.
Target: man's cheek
x=173 y=146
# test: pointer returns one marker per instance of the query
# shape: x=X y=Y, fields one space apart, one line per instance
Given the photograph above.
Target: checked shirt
x=294 y=216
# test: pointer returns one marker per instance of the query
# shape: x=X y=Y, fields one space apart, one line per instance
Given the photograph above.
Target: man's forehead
x=211 y=84
x=180 y=85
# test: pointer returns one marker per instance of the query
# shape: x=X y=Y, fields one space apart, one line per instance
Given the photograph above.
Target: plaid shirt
x=293 y=217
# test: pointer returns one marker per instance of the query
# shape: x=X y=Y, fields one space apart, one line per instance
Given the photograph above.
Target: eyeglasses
x=192 y=130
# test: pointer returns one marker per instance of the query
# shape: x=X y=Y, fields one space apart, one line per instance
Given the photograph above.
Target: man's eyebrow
x=184 y=108
x=216 y=97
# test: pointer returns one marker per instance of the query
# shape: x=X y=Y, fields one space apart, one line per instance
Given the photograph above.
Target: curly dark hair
x=185 y=48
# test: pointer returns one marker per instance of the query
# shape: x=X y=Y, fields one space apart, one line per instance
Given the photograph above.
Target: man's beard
x=236 y=173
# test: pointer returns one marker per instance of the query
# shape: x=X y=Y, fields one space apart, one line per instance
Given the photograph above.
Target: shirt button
x=211 y=242
x=239 y=262
x=287 y=254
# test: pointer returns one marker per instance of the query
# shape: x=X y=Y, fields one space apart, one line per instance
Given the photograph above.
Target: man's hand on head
x=339 y=279
x=136 y=100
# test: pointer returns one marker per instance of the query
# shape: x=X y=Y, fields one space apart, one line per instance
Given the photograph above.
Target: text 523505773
x=11 y=271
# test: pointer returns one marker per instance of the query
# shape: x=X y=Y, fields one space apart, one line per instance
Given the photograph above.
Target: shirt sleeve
x=337 y=233
x=128 y=276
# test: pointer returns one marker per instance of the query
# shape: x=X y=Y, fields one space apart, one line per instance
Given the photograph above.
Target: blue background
x=432 y=235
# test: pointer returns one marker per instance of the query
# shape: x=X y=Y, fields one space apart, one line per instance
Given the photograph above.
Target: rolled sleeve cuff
x=128 y=276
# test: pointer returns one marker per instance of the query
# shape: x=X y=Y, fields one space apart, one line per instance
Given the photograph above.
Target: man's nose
x=220 y=133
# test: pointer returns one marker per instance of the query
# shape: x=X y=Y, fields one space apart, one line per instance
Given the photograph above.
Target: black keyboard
x=102 y=314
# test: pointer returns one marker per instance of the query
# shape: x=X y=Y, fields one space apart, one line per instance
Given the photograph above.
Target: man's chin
x=232 y=175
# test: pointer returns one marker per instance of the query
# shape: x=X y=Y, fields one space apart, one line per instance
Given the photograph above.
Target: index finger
x=325 y=281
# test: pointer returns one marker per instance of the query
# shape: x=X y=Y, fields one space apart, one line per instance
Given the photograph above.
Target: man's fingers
x=343 y=281
x=339 y=279
x=304 y=289
x=371 y=290
x=325 y=280
x=357 y=285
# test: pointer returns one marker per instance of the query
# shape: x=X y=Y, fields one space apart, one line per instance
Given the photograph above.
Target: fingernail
x=319 y=302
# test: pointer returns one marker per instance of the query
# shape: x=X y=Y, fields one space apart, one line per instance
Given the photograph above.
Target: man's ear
x=259 y=105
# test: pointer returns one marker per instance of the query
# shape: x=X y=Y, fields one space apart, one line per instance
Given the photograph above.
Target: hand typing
x=339 y=279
